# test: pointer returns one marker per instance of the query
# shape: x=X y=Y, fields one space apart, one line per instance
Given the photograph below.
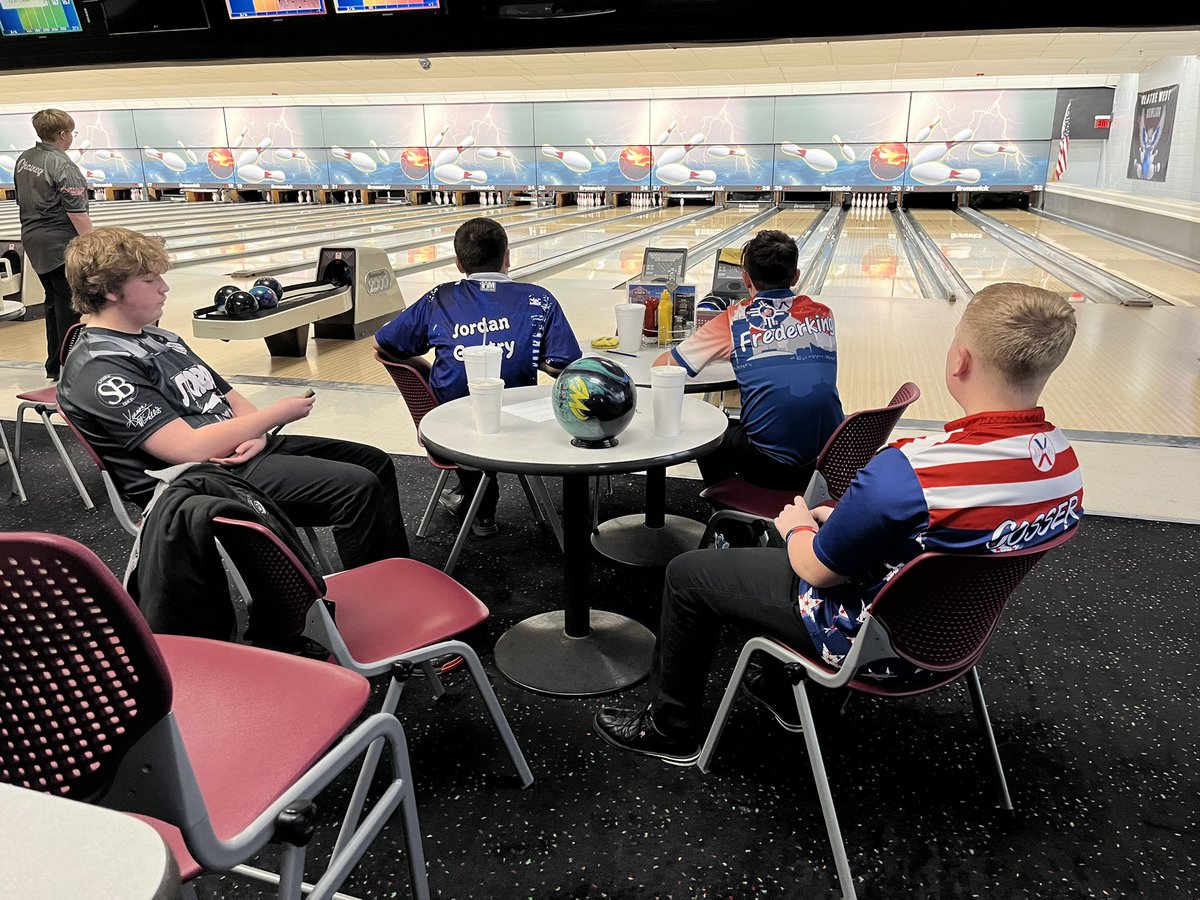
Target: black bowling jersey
x=121 y=388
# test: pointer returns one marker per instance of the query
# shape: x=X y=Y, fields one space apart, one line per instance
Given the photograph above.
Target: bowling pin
x=572 y=159
x=601 y=156
x=454 y=174
x=188 y=152
x=719 y=151
x=927 y=130
x=282 y=153
x=989 y=148
x=677 y=174
x=940 y=173
x=93 y=174
x=678 y=154
x=357 y=158
x=490 y=153
x=817 y=159
x=666 y=135
x=499 y=200
x=439 y=137
x=484 y=198
x=938 y=151
x=106 y=155
x=381 y=153
x=241 y=137
x=252 y=173
x=7 y=163
x=172 y=161
x=451 y=154
x=848 y=153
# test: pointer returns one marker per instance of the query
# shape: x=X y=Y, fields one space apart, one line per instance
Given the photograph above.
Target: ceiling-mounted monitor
x=149 y=16
x=274 y=9
x=367 y=6
x=34 y=17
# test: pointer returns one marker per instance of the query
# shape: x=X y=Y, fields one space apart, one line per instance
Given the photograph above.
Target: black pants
x=468 y=483
x=737 y=455
x=321 y=481
x=59 y=315
x=703 y=589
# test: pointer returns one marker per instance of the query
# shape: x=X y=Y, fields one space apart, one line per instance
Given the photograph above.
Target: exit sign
x=1103 y=121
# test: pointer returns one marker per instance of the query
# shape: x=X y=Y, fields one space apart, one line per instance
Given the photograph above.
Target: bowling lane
x=869 y=260
x=979 y=258
x=789 y=221
x=1172 y=282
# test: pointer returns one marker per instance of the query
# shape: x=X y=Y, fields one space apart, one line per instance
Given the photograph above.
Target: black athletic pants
x=59 y=315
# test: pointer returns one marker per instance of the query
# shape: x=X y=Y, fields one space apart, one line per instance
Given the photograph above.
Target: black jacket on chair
x=177 y=576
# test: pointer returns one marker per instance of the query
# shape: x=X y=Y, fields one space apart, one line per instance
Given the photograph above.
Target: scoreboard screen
x=273 y=9
x=358 y=6
x=33 y=17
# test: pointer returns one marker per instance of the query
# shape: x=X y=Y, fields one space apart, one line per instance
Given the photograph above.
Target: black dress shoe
x=634 y=730
x=485 y=526
x=453 y=502
x=770 y=690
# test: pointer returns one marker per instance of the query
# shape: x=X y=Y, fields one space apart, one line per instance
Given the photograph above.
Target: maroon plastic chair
x=381 y=618
x=44 y=401
x=219 y=746
x=939 y=612
x=849 y=448
x=411 y=377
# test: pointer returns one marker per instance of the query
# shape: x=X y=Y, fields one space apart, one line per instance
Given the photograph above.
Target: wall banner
x=1153 y=122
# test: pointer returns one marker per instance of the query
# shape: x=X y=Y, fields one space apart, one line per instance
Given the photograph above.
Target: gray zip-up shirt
x=48 y=187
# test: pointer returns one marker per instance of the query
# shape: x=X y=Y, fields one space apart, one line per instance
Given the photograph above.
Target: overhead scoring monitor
x=357 y=6
x=34 y=17
x=274 y=9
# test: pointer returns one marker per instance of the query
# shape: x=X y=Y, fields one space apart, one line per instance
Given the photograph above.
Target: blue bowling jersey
x=524 y=320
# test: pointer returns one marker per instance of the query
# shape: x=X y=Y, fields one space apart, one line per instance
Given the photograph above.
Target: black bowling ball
x=240 y=305
x=222 y=295
x=338 y=274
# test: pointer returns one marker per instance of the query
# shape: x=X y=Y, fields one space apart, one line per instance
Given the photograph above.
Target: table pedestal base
x=629 y=540
x=538 y=655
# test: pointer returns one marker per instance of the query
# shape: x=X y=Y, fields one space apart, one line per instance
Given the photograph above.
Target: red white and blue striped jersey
x=995 y=481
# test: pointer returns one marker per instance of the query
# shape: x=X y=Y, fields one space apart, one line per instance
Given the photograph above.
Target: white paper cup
x=486 y=395
x=482 y=361
x=629 y=326
x=666 y=391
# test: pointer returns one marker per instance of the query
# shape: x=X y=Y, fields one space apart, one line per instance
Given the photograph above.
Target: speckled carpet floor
x=1088 y=684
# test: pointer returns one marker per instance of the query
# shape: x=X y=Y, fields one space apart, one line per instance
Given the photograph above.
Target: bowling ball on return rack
x=241 y=305
x=267 y=298
x=594 y=400
x=222 y=295
x=338 y=273
x=273 y=283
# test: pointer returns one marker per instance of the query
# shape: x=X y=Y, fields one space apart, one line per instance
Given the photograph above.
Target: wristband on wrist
x=792 y=531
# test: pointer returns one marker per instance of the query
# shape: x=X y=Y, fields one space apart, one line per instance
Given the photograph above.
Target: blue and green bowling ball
x=267 y=298
x=594 y=400
x=273 y=283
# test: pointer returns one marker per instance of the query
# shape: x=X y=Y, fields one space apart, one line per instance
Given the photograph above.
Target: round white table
x=576 y=651
x=653 y=538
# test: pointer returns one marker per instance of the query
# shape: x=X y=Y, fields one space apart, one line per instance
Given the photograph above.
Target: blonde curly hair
x=101 y=261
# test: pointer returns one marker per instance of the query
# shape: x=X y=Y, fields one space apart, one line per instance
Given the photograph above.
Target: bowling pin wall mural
x=381 y=146
x=275 y=146
x=593 y=144
x=105 y=147
x=480 y=145
x=713 y=143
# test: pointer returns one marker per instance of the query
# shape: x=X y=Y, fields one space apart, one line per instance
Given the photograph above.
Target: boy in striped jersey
x=1000 y=478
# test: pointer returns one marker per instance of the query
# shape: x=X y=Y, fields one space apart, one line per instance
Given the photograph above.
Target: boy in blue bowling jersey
x=487 y=306
x=783 y=349
x=1000 y=478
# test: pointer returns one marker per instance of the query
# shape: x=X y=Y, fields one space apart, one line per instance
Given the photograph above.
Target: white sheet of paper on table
x=539 y=410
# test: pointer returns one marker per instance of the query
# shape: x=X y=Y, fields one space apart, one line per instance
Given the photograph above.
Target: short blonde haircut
x=49 y=123
x=1022 y=332
x=101 y=261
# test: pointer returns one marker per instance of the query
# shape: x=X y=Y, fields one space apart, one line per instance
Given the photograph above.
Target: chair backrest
x=115 y=500
x=411 y=377
x=80 y=673
x=858 y=437
x=70 y=339
x=279 y=585
x=941 y=610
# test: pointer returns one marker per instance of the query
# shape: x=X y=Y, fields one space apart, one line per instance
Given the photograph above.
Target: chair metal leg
x=468 y=518
x=431 y=676
x=731 y=691
x=18 y=487
x=823 y=792
x=44 y=412
x=538 y=486
x=318 y=551
x=488 y=694
x=985 y=725
x=432 y=504
x=538 y=514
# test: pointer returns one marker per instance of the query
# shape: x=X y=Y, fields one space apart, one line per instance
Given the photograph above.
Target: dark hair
x=769 y=258
x=480 y=245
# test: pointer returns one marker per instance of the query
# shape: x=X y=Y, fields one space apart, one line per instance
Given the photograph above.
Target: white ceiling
x=1062 y=58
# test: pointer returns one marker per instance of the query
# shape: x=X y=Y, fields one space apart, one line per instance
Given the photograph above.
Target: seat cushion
x=734 y=493
x=387 y=608
x=254 y=720
x=173 y=838
x=47 y=395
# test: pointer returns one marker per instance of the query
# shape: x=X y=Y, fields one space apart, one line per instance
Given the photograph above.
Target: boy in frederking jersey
x=1000 y=478
x=784 y=353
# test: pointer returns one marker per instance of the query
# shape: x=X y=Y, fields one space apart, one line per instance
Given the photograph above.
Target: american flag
x=1064 y=144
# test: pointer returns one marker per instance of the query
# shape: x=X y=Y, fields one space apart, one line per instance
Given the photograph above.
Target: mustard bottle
x=666 y=317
